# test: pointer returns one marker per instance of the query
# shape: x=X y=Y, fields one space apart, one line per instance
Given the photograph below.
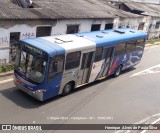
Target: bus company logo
x=6 y=127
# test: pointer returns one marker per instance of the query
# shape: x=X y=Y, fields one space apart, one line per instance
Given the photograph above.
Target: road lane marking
x=143 y=122
x=152 y=124
x=5 y=81
x=151 y=70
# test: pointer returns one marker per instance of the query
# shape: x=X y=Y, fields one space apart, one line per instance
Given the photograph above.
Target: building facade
x=150 y=13
x=56 y=18
x=12 y=32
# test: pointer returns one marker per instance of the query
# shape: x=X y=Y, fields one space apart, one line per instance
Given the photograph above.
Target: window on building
x=71 y=29
x=157 y=25
x=72 y=60
x=98 y=55
x=140 y=44
x=141 y=26
x=95 y=27
x=43 y=31
x=109 y=26
x=131 y=46
x=120 y=49
x=150 y=26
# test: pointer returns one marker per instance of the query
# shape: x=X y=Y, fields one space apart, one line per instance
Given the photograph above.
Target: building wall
x=153 y=31
x=28 y=29
x=128 y=22
x=25 y=32
x=84 y=25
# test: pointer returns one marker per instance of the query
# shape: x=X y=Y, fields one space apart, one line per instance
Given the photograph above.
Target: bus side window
x=98 y=55
x=56 y=66
x=131 y=46
x=72 y=60
x=140 y=44
x=120 y=49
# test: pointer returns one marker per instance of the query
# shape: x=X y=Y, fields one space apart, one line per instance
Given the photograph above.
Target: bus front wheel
x=67 y=89
x=118 y=71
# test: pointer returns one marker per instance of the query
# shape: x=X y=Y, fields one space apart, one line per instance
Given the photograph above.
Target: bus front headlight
x=40 y=91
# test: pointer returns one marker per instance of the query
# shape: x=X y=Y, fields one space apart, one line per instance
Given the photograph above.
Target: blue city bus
x=49 y=66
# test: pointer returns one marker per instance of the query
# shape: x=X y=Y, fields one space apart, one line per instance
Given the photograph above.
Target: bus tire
x=67 y=89
x=118 y=71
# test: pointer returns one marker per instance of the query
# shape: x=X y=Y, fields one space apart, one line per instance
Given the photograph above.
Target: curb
x=148 y=45
x=6 y=74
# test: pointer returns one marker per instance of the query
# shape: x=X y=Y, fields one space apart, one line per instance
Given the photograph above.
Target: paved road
x=131 y=98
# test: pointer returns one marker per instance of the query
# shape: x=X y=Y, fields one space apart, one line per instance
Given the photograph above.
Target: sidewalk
x=156 y=43
x=5 y=77
x=10 y=73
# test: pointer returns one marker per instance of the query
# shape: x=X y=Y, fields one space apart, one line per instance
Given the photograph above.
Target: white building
x=150 y=13
x=46 y=18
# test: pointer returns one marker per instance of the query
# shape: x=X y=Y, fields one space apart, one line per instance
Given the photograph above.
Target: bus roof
x=70 y=42
x=45 y=46
x=67 y=43
x=107 y=37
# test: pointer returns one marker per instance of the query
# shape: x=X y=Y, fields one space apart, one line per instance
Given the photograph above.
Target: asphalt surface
x=128 y=99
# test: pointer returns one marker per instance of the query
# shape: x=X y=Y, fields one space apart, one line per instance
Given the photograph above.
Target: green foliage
x=6 y=68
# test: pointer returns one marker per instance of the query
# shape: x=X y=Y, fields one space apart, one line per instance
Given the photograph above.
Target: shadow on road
x=128 y=70
x=25 y=101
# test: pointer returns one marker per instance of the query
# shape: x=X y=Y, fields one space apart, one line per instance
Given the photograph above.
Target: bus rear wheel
x=118 y=71
x=67 y=89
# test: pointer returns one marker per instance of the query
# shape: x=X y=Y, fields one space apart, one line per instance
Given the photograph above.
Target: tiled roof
x=53 y=9
x=117 y=12
x=148 y=9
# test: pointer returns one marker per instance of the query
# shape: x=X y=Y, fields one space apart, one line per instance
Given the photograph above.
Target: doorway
x=84 y=72
x=108 y=52
x=14 y=41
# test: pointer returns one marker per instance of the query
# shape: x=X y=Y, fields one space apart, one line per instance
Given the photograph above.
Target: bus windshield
x=30 y=65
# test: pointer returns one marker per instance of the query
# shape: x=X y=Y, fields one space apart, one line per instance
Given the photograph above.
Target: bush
x=6 y=68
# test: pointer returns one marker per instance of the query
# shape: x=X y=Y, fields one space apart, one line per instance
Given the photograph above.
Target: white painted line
x=156 y=121
x=5 y=81
x=147 y=71
x=152 y=123
x=141 y=122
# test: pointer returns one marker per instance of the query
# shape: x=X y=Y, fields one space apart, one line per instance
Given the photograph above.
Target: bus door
x=85 y=69
x=107 y=55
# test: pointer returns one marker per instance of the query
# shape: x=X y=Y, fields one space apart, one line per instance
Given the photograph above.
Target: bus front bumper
x=36 y=94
